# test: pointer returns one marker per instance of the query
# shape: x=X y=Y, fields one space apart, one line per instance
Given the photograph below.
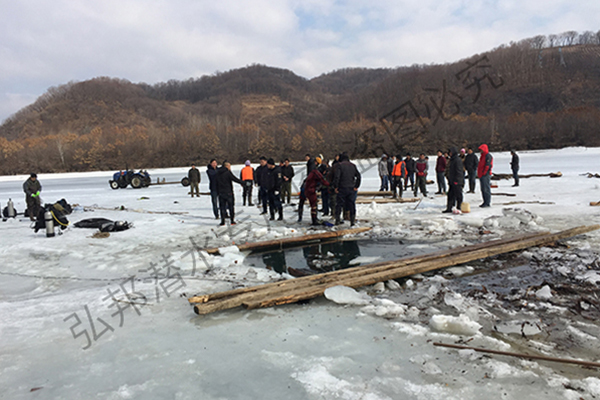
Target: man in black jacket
x=287 y=172
x=311 y=163
x=456 y=180
x=260 y=177
x=194 y=177
x=514 y=165
x=225 y=188
x=346 y=181
x=273 y=185
x=211 y=171
x=410 y=171
x=471 y=162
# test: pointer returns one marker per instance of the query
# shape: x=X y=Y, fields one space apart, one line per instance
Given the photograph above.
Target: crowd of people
x=338 y=183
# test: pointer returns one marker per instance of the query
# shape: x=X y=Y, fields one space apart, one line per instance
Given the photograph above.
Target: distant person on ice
x=440 y=172
x=514 y=165
x=310 y=192
x=287 y=171
x=456 y=181
x=410 y=172
x=225 y=188
x=384 y=173
x=32 y=188
x=247 y=177
x=311 y=163
x=471 y=168
x=346 y=182
x=194 y=177
x=398 y=176
x=260 y=177
x=484 y=173
x=273 y=186
x=421 y=168
x=211 y=171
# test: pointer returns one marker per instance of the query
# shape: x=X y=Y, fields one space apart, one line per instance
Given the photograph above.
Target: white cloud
x=45 y=43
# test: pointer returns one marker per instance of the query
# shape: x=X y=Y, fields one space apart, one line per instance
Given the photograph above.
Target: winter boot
x=280 y=214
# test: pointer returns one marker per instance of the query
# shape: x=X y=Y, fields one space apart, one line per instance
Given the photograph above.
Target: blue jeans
x=441 y=181
x=486 y=189
x=384 y=182
x=215 y=202
x=516 y=176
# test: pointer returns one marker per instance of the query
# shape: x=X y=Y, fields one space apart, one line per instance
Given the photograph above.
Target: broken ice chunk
x=461 y=325
x=346 y=295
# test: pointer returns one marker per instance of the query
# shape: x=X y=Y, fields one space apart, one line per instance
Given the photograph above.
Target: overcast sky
x=47 y=43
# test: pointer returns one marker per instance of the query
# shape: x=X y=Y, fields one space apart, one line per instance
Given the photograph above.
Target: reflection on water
x=324 y=257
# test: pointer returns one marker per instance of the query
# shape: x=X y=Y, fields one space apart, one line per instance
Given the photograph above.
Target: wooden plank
x=312 y=286
x=387 y=200
x=290 y=241
x=520 y=355
x=497 y=177
x=397 y=270
x=365 y=193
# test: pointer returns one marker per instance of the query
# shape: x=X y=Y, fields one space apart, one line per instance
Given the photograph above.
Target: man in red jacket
x=484 y=173
x=309 y=191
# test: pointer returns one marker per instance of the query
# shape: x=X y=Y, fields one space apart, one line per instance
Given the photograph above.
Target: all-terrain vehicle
x=137 y=180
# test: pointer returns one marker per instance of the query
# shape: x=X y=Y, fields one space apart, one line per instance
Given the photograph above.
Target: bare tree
x=538 y=42
x=553 y=39
x=569 y=38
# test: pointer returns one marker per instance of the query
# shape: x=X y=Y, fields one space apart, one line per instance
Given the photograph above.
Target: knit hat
x=462 y=151
x=247 y=163
x=270 y=161
x=318 y=160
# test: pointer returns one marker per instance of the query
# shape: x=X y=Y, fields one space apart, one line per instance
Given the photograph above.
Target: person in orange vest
x=398 y=175
x=247 y=177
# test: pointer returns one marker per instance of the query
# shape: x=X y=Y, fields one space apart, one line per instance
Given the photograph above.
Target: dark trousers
x=194 y=189
x=33 y=206
x=397 y=183
x=274 y=202
x=441 y=181
x=455 y=197
x=226 y=203
x=486 y=189
x=264 y=197
x=472 y=179
x=410 y=176
x=421 y=184
x=346 y=199
x=286 y=191
x=324 y=199
x=516 y=176
x=384 y=182
x=215 y=202
x=247 y=193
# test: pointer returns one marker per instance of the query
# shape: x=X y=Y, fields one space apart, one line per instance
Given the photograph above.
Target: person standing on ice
x=514 y=165
x=471 y=168
x=260 y=176
x=225 y=188
x=440 y=172
x=410 y=171
x=421 y=168
x=310 y=192
x=287 y=171
x=32 y=188
x=456 y=181
x=346 y=182
x=398 y=176
x=274 y=179
x=484 y=173
x=247 y=177
x=311 y=163
x=194 y=177
x=384 y=173
x=211 y=171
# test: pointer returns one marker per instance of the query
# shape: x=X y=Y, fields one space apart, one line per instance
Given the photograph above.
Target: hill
x=523 y=95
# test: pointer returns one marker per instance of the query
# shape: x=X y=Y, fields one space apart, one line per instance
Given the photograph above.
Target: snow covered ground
x=69 y=329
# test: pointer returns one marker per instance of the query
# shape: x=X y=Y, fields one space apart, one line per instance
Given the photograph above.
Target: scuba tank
x=11 y=209
x=49 y=224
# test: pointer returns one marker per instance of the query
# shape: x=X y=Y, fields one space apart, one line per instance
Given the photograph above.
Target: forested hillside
x=538 y=93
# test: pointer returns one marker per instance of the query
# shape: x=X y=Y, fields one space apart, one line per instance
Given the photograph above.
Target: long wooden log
x=366 y=193
x=334 y=275
x=397 y=270
x=497 y=177
x=311 y=286
x=290 y=241
x=521 y=355
x=387 y=200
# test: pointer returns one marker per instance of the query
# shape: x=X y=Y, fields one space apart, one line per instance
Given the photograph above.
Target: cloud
x=49 y=43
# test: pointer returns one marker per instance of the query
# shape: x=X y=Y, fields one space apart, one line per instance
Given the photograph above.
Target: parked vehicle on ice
x=137 y=180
